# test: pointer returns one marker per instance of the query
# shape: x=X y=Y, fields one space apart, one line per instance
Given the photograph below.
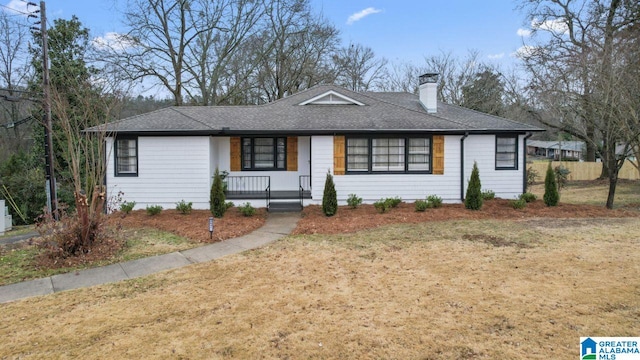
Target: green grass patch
x=18 y=263
x=150 y=242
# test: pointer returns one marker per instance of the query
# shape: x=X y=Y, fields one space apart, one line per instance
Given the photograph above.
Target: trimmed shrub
x=488 y=195
x=422 y=205
x=551 y=195
x=330 y=197
x=217 y=198
x=247 y=210
x=528 y=197
x=184 y=207
x=473 y=199
x=518 y=204
x=229 y=205
x=354 y=201
x=393 y=202
x=127 y=206
x=381 y=205
x=532 y=176
x=434 y=201
x=153 y=210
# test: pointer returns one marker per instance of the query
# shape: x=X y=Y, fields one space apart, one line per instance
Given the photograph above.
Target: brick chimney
x=429 y=91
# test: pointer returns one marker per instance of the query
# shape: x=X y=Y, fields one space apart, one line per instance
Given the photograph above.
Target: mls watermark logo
x=609 y=348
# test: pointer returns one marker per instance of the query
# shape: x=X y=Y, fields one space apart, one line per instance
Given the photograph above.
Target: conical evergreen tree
x=473 y=199
x=551 y=194
x=217 y=200
x=330 y=197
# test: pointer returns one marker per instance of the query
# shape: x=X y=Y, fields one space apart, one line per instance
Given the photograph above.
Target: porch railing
x=304 y=188
x=248 y=187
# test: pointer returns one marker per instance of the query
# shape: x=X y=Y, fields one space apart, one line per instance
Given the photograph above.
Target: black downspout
x=462 y=166
x=524 y=160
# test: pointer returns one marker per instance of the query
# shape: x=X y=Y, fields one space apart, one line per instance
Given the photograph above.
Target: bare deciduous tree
x=159 y=40
x=86 y=158
x=455 y=73
x=402 y=77
x=209 y=58
x=297 y=48
x=579 y=69
x=15 y=72
x=357 y=67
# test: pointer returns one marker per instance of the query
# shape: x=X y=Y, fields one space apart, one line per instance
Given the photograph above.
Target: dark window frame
x=116 y=172
x=274 y=152
x=370 y=170
x=515 y=152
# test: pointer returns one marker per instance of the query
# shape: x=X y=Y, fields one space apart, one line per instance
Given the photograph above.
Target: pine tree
x=473 y=199
x=551 y=194
x=217 y=199
x=330 y=198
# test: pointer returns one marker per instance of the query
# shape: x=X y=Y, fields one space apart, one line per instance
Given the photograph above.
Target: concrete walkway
x=277 y=226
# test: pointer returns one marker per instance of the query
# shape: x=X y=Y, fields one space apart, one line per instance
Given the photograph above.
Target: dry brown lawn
x=463 y=289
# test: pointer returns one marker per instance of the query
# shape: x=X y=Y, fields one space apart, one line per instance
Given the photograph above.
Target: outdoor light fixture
x=211 y=228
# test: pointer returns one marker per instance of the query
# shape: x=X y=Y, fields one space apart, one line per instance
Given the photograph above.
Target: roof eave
x=231 y=132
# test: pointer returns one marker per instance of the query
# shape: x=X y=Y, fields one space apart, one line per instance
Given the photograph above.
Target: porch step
x=289 y=206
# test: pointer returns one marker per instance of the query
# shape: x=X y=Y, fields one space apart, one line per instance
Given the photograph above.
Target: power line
x=15 y=10
x=21 y=91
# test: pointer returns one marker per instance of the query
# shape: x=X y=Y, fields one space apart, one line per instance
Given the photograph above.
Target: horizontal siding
x=321 y=163
x=506 y=184
x=170 y=169
x=372 y=187
x=280 y=180
x=176 y=168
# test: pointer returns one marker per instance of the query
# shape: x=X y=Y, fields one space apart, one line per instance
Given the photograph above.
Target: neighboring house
x=376 y=145
x=556 y=150
x=631 y=156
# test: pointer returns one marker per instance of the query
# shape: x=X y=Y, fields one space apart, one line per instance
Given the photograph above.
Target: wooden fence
x=583 y=170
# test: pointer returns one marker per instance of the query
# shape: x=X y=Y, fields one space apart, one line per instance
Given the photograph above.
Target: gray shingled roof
x=566 y=145
x=382 y=112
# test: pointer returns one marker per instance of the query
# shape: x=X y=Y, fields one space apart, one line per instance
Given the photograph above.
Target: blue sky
x=409 y=30
x=400 y=30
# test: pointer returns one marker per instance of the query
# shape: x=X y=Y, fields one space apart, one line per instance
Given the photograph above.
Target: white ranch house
x=375 y=144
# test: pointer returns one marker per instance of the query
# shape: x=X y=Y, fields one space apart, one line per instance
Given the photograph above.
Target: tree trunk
x=82 y=209
x=590 y=154
x=610 y=163
x=613 y=182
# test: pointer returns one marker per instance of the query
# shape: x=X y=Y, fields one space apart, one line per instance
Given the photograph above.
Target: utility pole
x=52 y=196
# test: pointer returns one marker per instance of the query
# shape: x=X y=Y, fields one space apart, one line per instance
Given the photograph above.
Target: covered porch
x=257 y=187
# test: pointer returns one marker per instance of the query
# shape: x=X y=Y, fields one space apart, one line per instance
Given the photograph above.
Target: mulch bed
x=349 y=220
x=194 y=226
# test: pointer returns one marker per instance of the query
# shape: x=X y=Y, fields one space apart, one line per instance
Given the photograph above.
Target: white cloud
x=495 y=56
x=361 y=14
x=558 y=26
x=524 y=32
x=113 y=40
x=524 y=51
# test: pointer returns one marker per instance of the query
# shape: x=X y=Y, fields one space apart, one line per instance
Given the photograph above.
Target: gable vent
x=331 y=98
